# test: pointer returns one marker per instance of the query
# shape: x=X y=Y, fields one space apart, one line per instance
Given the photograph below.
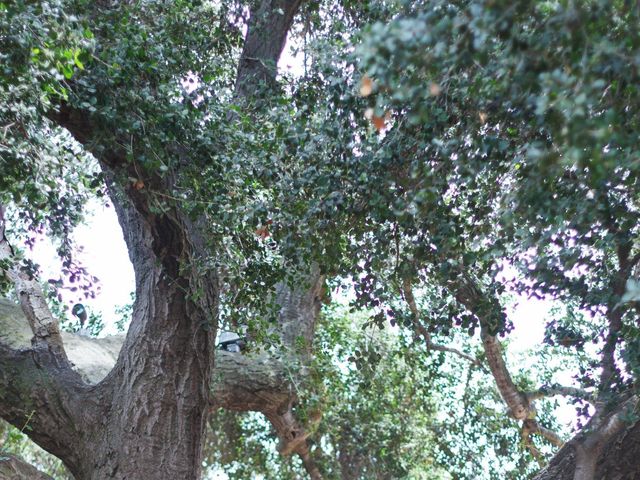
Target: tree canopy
x=366 y=219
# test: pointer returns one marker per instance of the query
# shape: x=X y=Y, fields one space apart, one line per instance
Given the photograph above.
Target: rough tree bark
x=240 y=382
x=13 y=468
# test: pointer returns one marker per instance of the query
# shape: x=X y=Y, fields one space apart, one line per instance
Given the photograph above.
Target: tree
x=428 y=147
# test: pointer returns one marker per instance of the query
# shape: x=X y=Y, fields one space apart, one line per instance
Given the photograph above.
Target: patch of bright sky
x=104 y=254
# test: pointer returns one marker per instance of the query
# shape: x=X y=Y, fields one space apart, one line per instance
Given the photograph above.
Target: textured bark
x=240 y=382
x=43 y=400
x=618 y=460
x=299 y=309
x=256 y=382
x=268 y=27
x=46 y=334
x=13 y=468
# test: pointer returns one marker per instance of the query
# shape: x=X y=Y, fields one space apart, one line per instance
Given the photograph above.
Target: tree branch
x=13 y=468
x=555 y=390
x=42 y=399
x=46 y=333
x=269 y=25
x=411 y=301
x=608 y=426
x=546 y=433
x=525 y=434
x=469 y=295
x=293 y=439
x=254 y=382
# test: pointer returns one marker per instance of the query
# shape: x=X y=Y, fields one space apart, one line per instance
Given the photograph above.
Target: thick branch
x=299 y=310
x=13 y=468
x=42 y=399
x=293 y=439
x=515 y=400
x=469 y=295
x=615 y=454
x=551 y=436
x=255 y=382
x=608 y=426
x=46 y=333
x=269 y=25
x=608 y=361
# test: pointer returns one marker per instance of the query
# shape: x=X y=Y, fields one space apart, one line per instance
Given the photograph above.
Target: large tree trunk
x=147 y=418
x=240 y=382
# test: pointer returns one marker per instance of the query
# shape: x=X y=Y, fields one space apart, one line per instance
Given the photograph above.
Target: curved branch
x=551 y=436
x=13 y=468
x=43 y=400
x=411 y=301
x=469 y=295
x=255 y=382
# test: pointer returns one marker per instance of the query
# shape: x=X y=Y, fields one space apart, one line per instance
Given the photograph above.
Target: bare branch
x=268 y=28
x=609 y=426
x=608 y=362
x=515 y=400
x=43 y=399
x=548 y=434
x=555 y=390
x=469 y=295
x=293 y=438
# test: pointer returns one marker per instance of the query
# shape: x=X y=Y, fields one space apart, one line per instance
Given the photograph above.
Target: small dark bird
x=80 y=312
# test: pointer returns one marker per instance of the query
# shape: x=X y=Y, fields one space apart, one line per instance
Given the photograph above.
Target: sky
x=105 y=256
